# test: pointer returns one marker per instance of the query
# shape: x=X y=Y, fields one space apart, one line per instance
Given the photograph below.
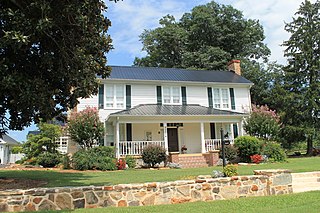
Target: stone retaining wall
x=202 y=189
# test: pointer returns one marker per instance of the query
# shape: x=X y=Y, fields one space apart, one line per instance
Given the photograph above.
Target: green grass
x=145 y=175
x=301 y=202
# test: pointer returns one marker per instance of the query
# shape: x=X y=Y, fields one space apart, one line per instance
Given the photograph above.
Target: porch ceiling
x=191 y=112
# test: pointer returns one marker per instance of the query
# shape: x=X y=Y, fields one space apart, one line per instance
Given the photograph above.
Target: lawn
x=55 y=178
x=301 y=202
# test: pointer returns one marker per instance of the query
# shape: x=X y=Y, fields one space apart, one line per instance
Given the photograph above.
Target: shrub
x=153 y=154
x=66 y=162
x=106 y=163
x=81 y=160
x=256 y=158
x=106 y=151
x=231 y=153
x=247 y=146
x=101 y=158
x=131 y=161
x=121 y=164
x=230 y=170
x=48 y=159
x=274 y=152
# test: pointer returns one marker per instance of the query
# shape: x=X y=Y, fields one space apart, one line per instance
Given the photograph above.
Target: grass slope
x=145 y=175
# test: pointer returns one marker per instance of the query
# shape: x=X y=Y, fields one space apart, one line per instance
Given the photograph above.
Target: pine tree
x=303 y=70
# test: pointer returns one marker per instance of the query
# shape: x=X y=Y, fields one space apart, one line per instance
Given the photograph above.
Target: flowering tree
x=85 y=127
x=263 y=123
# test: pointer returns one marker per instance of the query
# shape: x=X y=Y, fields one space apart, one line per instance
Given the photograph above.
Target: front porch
x=135 y=148
x=190 y=129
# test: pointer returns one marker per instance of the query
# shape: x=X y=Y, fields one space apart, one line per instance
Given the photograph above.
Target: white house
x=6 y=143
x=171 y=107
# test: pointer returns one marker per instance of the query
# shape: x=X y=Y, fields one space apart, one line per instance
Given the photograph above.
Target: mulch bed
x=11 y=183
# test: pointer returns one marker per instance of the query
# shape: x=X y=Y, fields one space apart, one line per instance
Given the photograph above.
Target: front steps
x=303 y=182
x=192 y=161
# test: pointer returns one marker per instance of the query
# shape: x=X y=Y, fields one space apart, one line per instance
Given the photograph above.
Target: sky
x=130 y=17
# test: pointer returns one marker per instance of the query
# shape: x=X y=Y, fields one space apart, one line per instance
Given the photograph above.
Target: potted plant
x=184 y=149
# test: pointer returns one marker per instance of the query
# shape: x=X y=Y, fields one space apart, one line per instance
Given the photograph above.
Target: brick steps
x=192 y=161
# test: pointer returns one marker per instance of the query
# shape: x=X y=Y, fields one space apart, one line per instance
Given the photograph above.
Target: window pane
x=119 y=91
x=166 y=95
x=225 y=98
x=176 y=95
x=216 y=98
x=109 y=91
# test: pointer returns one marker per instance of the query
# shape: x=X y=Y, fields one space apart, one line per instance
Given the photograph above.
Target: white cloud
x=130 y=17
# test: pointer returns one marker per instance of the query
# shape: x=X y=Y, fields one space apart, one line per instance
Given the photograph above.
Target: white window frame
x=114 y=102
x=220 y=104
x=171 y=95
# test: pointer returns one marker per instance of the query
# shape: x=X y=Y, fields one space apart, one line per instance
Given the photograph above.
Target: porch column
x=240 y=128
x=165 y=137
x=117 y=140
x=203 y=146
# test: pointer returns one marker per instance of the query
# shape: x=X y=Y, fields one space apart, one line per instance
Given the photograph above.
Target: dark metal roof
x=34 y=132
x=9 y=140
x=174 y=74
x=191 y=109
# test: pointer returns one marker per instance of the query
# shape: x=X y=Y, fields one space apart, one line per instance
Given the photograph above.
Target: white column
x=240 y=127
x=117 y=140
x=203 y=146
x=165 y=137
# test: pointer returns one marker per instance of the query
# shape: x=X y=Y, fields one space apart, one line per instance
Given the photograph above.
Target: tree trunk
x=309 y=145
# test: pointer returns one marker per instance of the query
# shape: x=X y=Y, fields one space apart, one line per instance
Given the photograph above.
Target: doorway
x=173 y=139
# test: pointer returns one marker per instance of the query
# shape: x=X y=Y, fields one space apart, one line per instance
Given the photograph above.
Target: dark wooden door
x=173 y=139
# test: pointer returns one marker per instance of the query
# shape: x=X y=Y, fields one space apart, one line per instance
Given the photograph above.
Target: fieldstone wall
x=203 y=189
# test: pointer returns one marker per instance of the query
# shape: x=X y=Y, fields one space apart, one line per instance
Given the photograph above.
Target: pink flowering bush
x=263 y=123
x=85 y=127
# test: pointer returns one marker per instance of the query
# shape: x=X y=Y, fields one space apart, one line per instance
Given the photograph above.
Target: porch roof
x=174 y=110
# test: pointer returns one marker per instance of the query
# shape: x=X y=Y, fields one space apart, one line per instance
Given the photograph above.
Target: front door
x=173 y=139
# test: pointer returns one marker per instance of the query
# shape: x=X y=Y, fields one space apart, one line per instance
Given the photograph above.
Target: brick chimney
x=234 y=66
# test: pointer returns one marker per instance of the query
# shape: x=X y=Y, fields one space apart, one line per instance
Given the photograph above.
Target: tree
x=206 y=38
x=85 y=127
x=42 y=142
x=266 y=77
x=302 y=72
x=262 y=123
x=50 y=54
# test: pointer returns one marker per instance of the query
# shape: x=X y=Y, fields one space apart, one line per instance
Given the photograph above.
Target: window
x=221 y=98
x=62 y=144
x=114 y=96
x=171 y=95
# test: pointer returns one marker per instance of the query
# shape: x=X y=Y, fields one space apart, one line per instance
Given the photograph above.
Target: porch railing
x=214 y=144
x=136 y=147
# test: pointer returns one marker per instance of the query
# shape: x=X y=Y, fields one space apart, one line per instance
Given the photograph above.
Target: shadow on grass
x=57 y=179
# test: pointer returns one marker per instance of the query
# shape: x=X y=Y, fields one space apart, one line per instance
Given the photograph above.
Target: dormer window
x=171 y=95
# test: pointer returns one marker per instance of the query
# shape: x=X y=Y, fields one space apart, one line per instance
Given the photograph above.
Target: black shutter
x=235 y=130
x=101 y=96
x=128 y=96
x=233 y=104
x=184 y=95
x=159 y=95
x=213 y=130
x=210 y=97
x=129 y=131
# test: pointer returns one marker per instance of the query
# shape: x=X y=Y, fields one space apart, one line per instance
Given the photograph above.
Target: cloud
x=130 y=17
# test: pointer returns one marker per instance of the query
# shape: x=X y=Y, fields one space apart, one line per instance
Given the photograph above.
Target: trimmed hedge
x=247 y=146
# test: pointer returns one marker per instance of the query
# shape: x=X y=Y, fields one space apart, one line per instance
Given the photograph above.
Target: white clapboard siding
x=242 y=99
x=143 y=94
x=197 y=95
